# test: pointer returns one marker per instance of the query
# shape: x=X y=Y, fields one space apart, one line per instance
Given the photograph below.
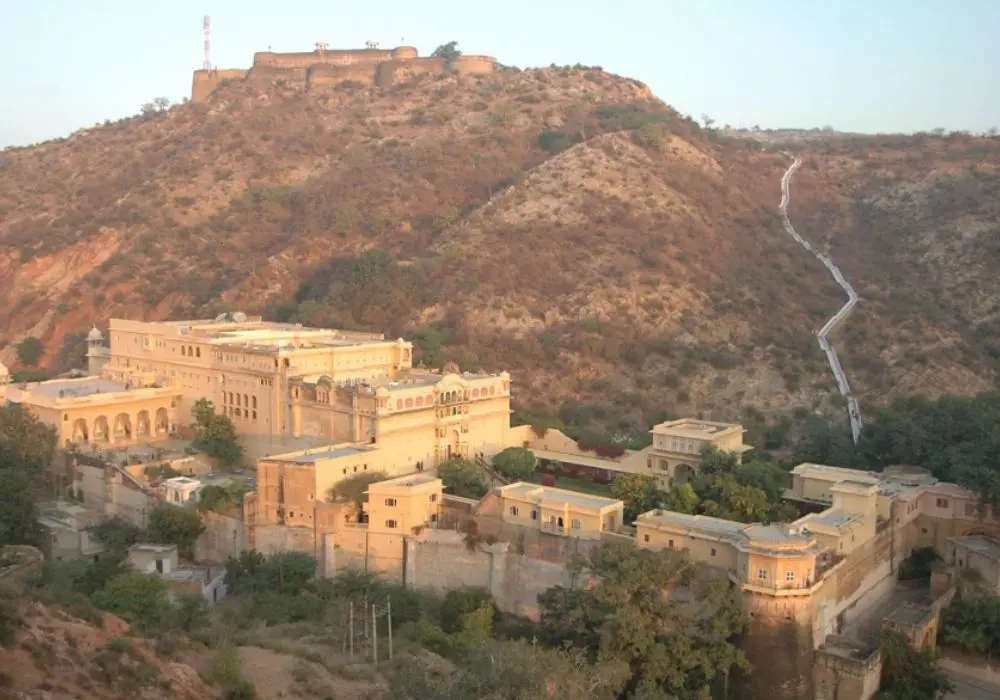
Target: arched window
x=254 y=401
x=246 y=400
x=183 y=350
x=492 y=391
x=420 y=401
x=190 y=351
x=197 y=352
x=399 y=404
x=409 y=403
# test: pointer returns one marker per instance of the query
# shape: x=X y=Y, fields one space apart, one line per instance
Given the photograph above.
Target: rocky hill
x=560 y=222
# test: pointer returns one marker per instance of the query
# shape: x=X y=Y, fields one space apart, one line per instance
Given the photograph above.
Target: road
x=853 y=409
x=967 y=691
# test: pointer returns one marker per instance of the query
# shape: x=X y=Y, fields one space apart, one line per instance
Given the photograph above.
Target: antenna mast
x=207 y=25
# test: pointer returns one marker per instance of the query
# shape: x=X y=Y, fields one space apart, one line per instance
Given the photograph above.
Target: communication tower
x=207 y=26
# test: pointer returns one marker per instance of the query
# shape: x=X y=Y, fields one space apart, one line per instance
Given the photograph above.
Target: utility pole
x=374 y=636
x=351 y=627
x=281 y=573
x=388 y=612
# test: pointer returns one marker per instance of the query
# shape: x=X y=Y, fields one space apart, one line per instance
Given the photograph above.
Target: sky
x=857 y=65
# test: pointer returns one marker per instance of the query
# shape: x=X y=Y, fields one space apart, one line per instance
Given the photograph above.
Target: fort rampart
x=326 y=68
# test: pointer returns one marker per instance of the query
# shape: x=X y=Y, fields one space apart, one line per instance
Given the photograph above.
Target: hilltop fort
x=329 y=67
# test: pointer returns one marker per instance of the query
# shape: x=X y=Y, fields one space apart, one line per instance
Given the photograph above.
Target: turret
x=97 y=352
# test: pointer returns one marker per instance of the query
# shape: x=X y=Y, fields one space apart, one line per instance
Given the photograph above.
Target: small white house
x=180 y=490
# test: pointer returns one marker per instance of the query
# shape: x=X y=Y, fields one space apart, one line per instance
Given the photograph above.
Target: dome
x=95 y=334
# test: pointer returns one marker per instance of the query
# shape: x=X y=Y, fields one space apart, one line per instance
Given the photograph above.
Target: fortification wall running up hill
x=327 y=68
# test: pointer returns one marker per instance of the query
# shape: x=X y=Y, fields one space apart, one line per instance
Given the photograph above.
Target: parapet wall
x=328 y=68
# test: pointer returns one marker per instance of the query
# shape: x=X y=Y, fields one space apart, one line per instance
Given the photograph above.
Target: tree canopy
x=215 y=433
x=516 y=463
x=26 y=446
x=449 y=51
x=30 y=351
x=170 y=524
x=908 y=674
x=462 y=478
x=628 y=618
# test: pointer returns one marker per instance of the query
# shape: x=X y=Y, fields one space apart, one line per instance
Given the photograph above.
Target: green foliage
x=908 y=674
x=139 y=598
x=449 y=51
x=116 y=533
x=639 y=493
x=515 y=463
x=216 y=434
x=628 y=619
x=30 y=351
x=160 y=471
x=973 y=624
x=174 y=525
x=460 y=602
x=355 y=487
x=220 y=498
x=26 y=446
x=462 y=478
x=557 y=141
x=226 y=671
x=918 y=565
x=284 y=572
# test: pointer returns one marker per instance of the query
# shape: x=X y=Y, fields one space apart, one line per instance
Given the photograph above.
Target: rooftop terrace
x=547 y=495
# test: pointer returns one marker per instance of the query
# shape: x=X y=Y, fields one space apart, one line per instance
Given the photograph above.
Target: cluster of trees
x=167 y=525
x=215 y=434
x=721 y=488
x=26 y=448
x=973 y=624
x=956 y=437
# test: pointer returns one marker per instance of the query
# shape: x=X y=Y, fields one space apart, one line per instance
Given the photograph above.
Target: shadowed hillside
x=561 y=222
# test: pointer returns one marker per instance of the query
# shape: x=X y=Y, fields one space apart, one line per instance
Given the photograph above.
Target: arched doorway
x=123 y=427
x=162 y=421
x=452 y=450
x=683 y=473
x=101 y=432
x=142 y=424
x=80 y=432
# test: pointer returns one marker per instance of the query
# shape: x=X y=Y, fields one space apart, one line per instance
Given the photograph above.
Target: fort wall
x=205 y=82
x=327 y=68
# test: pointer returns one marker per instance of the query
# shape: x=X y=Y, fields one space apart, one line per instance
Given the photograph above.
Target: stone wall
x=844 y=670
x=223 y=537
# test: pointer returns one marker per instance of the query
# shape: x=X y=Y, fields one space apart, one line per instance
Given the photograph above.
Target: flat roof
x=832 y=517
x=776 y=533
x=549 y=495
x=825 y=471
x=862 y=488
x=416 y=479
x=180 y=481
x=980 y=544
x=314 y=456
x=692 y=428
x=155 y=548
x=185 y=573
x=702 y=522
x=75 y=388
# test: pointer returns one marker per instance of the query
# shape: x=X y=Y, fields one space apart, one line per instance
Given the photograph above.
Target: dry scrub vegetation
x=560 y=222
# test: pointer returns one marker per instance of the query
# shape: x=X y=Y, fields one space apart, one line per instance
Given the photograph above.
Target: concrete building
x=180 y=490
x=404 y=504
x=558 y=511
x=162 y=560
x=92 y=411
x=65 y=533
x=672 y=457
x=979 y=553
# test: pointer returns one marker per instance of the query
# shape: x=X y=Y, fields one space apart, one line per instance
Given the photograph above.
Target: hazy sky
x=858 y=65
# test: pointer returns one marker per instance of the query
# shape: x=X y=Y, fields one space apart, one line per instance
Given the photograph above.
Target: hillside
x=560 y=222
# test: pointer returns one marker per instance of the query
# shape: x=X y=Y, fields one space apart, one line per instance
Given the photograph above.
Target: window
x=645 y=538
x=534 y=515
x=197 y=352
x=942 y=503
x=575 y=524
x=711 y=552
x=762 y=574
x=670 y=543
x=789 y=575
x=390 y=524
x=391 y=502
x=433 y=498
x=513 y=510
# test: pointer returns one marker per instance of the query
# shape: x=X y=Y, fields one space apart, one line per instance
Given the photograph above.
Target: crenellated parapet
x=322 y=68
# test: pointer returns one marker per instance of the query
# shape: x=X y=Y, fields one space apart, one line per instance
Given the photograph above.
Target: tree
x=26 y=445
x=682 y=498
x=30 y=351
x=908 y=674
x=707 y=121
x=287 y=573
x=639 y=493
x=973 y=624
x=216 y=435
x=515 y=463
x=116 y=533
x=462 y=478
x=139 y=598
x=161 y=103
x=175 y=525
x=626 y=617
x=448 y=51
x=355 y=488
x=220 y=498
x=459 y=602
